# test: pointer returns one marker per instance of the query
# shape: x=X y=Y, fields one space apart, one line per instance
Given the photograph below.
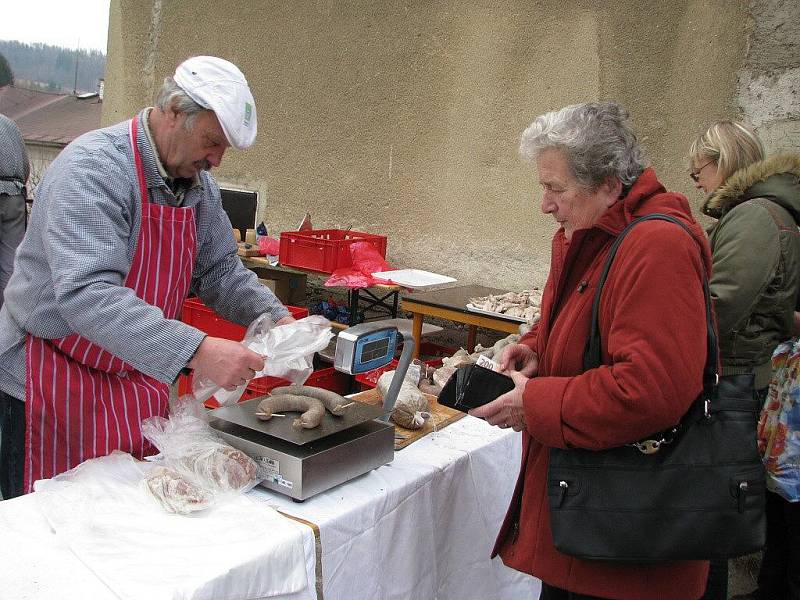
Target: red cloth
x=653 y=330
x=81 y=400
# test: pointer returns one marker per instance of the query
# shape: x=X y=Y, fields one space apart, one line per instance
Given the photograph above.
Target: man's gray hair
x=595 y=138
x=171 y=95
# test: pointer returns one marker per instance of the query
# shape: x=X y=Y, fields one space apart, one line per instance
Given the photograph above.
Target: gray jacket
x=70 y=268
x=756 y=253
x=14 y=165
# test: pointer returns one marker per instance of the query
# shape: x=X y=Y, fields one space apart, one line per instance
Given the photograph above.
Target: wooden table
x=451 y=304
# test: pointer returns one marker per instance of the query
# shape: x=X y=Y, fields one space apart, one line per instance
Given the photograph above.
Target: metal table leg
x=353 y=296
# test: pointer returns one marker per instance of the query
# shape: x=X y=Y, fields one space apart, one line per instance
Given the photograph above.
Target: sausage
x=313 y=410
x=332 y=401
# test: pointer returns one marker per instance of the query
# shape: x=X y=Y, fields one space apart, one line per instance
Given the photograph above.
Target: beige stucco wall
x=40 y=156
x=403 y=118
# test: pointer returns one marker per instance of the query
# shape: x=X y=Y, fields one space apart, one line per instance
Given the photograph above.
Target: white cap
x=219 y=85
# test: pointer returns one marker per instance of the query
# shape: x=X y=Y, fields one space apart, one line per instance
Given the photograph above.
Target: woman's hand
x=506 y=410
x=519 y=357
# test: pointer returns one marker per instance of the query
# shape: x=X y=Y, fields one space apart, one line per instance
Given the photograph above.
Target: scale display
x=365 y=347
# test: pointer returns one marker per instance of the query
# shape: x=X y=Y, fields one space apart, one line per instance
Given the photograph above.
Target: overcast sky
x=68 y=23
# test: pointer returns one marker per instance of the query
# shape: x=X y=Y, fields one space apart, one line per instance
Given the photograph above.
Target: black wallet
x=472 y=386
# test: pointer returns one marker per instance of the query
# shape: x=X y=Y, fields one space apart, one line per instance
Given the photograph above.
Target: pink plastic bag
x=268 y=245
x=349 y=278
x=366 y=260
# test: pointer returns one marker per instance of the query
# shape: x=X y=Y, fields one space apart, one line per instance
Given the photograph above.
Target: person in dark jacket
x=754 y=285
x=595 y=180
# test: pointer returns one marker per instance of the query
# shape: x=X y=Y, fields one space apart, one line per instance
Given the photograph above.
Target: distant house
x=48 y=122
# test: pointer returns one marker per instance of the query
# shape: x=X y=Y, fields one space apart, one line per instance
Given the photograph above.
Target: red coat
x=653 y=332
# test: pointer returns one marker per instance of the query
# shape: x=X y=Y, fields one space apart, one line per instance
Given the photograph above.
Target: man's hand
x=225 y=362
x=285 y=320
x=506 y=410
x=519 y=357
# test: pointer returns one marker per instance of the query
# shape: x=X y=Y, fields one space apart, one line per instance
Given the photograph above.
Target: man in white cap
x=127 y=221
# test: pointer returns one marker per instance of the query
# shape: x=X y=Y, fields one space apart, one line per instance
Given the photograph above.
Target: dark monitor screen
x=241 y=209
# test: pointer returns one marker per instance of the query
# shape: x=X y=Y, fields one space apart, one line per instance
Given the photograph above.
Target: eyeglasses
x=695 y=175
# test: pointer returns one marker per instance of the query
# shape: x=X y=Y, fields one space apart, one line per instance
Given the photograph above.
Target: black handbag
x=694 y=492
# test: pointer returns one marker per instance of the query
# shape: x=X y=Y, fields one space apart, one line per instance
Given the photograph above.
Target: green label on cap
x=248 y=112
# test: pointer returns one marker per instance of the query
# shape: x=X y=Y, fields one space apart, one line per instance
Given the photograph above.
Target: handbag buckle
x=648 y=446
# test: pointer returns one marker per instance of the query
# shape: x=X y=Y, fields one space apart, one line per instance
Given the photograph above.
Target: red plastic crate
x=431 y=350
x=324 y=250
x=328 y=379
x=198 y=315
x=185 y=387
x=370 y=378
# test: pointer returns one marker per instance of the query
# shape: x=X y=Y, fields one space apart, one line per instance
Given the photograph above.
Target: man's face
x=572 y=205
x=201 y=148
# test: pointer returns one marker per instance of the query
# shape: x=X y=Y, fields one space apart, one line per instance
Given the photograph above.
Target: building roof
x=50 y=118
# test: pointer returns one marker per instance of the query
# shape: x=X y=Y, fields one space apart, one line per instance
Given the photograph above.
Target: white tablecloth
x=420 y=527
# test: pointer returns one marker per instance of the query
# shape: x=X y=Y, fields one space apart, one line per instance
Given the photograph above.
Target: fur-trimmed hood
x=776 y=178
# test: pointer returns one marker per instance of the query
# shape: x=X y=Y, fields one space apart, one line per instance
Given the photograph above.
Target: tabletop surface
x=454 y=298
x=389 y=533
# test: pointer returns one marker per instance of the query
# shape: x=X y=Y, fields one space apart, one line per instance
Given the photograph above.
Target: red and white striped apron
x=81 y=400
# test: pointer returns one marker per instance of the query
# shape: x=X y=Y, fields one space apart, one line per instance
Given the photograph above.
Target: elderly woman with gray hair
x=595 y=181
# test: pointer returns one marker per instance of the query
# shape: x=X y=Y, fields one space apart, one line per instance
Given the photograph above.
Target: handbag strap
x=591 y=354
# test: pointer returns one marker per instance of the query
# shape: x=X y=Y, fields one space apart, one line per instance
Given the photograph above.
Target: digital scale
x=301 y=462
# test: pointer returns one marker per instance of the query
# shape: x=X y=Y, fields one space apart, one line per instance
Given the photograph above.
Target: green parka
x=756 y=262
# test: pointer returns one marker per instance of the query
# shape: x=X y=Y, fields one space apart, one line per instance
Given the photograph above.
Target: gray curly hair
x=595 y=138
x=171 y=95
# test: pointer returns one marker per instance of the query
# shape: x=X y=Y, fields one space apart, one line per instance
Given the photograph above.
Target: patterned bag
x=779 y=425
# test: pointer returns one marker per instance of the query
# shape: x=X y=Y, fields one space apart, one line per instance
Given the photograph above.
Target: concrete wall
x=40 y=156
x=769 y=79
x=403 y=118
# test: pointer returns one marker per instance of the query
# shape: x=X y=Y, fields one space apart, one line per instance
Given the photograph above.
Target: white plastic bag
x=101 y=513
x=289 y=350
x=196 y=469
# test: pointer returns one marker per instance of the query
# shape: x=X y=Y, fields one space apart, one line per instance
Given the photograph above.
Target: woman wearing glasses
x=754 y=283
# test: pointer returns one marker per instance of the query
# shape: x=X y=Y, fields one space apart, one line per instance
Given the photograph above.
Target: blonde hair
x=730 y=144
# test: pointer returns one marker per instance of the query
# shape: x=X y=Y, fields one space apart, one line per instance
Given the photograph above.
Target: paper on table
x=413 y=278
x=239 y=550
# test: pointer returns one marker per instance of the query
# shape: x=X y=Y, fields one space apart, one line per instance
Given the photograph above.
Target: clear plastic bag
x=289 y=350
x=196 y=469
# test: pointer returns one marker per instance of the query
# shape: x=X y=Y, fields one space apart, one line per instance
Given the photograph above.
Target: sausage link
x=313 y=409
x=332 y=401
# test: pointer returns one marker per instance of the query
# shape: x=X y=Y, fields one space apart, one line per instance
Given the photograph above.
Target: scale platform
x=301 y=462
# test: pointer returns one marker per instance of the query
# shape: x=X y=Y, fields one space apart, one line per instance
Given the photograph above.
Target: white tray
x=414 y=278
x=491 y=313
